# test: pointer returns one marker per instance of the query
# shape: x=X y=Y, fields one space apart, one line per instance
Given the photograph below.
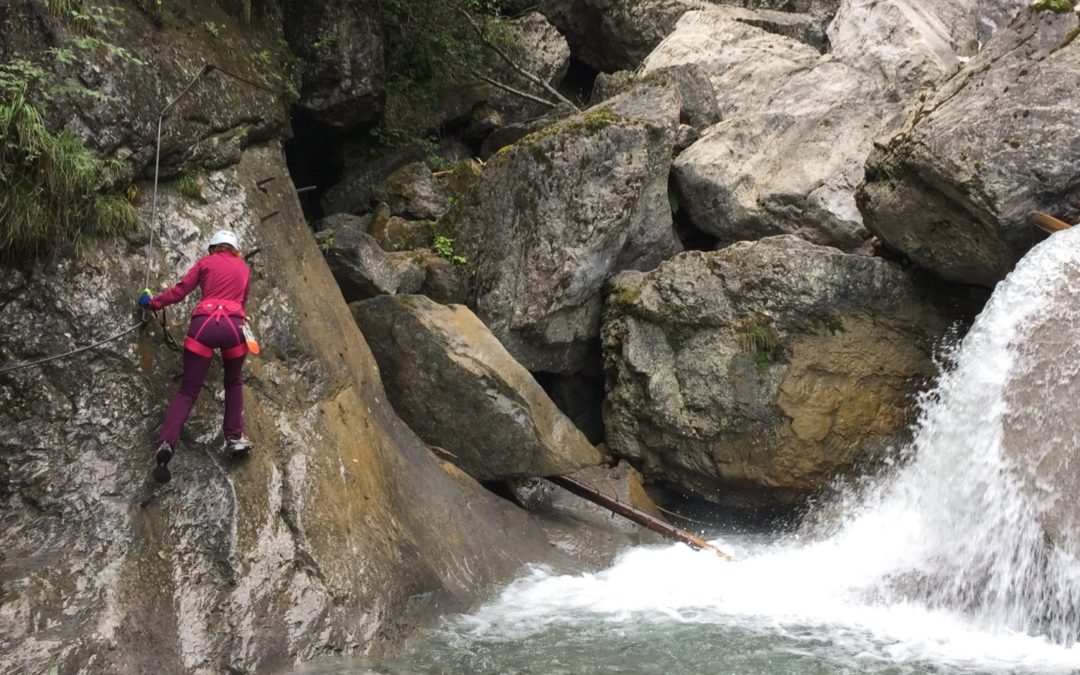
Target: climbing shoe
x=236 y=447
x=161 y=471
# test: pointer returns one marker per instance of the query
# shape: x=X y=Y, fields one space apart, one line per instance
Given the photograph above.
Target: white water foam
x=943 y=562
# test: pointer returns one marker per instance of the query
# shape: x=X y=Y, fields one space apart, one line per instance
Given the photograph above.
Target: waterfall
x=946 y=559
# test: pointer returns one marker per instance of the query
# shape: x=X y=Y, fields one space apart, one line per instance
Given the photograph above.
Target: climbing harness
x=215 y=310
x=169 y=340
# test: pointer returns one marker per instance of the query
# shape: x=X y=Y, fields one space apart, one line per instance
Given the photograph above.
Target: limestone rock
x=358 y=263
x=560 y=211
x=458 y=389
x=952 y=189
x=412 y=193
x=540 y=49
x=797 y=128
x=756 y=373
x=341 y=47
x=339 y=534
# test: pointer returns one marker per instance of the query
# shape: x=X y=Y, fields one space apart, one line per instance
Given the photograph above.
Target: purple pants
x=218 y=335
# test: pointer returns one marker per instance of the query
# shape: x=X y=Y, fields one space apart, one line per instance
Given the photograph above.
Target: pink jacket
x=224 y=279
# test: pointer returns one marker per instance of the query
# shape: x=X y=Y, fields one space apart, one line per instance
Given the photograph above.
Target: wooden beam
x=1046 y=222
x=636 y=515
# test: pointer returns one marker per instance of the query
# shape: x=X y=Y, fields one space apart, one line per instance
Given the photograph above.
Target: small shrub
x=188 y=185
x=444 y=246
x=758 y=338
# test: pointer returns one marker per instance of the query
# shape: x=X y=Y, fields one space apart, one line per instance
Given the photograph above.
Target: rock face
x=756 y=373
x=459 y=389
x=338 y=533
x=560 y=211
x=797 y=128
x=541 y=50
x=1001 y=138
x=208 y=128
x=360 y=267
x=340 y=44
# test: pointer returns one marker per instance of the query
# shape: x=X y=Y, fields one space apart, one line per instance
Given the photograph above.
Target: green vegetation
x=444 y=246
x=1052 y=6
x=50 y=181
x=213 y=28
x=324 y=41
x=759 y=339
x=188 y=185
x=625 y=297
x=48 y=184
x=430 y=47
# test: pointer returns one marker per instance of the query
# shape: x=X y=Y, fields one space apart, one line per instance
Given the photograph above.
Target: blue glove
x=144 y=299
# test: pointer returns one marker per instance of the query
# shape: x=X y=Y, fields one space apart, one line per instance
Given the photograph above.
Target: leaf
x=161 y=554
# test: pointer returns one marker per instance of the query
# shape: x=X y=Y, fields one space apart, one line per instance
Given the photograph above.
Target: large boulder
x=756 y=373
x=338 y=535
x=359 y=265
x=540 y=49
x=789 y=153
x=340 y=45
x=412 y=192
x=951 y=190
x=914 y=44
x=360 y=173
x=458 y=389
x=557 y=213
x=614 y=34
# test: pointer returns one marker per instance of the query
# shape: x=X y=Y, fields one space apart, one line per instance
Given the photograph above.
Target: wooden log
x=1046 y=222
x=636 y=515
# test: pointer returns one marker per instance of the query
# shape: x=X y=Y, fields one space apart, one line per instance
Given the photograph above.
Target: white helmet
x=224 y=237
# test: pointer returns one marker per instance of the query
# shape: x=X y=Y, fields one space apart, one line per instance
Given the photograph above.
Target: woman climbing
x=216 y=323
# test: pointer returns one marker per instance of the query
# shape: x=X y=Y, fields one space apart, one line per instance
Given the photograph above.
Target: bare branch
x=517 y=92
x=513 y=64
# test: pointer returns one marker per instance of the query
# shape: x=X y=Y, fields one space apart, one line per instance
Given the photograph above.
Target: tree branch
x=516 y=92
x=513 y=64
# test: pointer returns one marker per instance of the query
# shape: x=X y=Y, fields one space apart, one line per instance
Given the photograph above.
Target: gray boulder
x=797 y=128
x=340 y=44
x=411 y=192
x=359 y=175
x=559 y=212
x=540 y=49
x=454 y=385
x=358 y=263
x=951 y=190
x=614 y=35
x=756 y=373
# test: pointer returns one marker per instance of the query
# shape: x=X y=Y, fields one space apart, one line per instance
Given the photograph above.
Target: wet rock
x=459 y=389
x=339 y=534
x=412 y=193
x=1040 y=433
x=756 y=373
x=797 y=128
x=952 y=188
x=358 y=263
x=560 y=211
x=540 y=49
x=340 y=44
x=622 y=483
